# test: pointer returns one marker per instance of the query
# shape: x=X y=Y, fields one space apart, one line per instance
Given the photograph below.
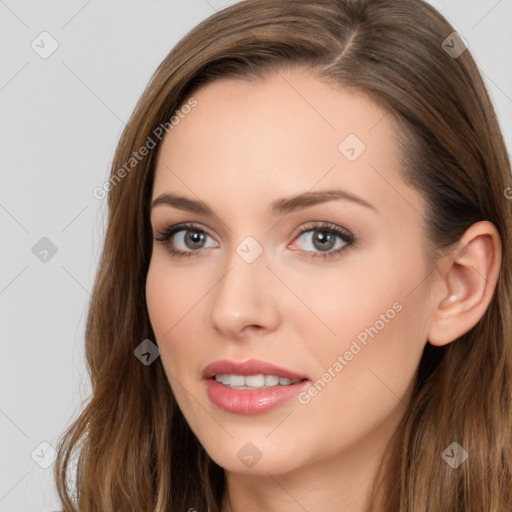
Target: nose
x=245 y=301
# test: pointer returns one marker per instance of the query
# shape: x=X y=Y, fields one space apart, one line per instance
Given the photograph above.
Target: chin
x=246 y=458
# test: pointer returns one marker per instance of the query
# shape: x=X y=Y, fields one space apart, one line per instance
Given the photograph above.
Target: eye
x=328 y=239
x=189 y=239
x=321 y=239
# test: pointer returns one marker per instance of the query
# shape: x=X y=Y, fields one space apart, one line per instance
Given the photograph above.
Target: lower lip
x=251 y=401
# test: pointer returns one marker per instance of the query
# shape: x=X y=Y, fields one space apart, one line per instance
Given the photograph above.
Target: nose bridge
x=244 y=296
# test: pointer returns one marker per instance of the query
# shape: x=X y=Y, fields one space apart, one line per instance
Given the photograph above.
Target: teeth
x=253 y=381
x=271 y=380
x=237 y=380
x=223 y=379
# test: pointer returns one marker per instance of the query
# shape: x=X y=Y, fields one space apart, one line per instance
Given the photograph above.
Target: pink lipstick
x=251 y=387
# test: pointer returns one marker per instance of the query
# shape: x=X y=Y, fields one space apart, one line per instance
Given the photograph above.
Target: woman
x=304 y=297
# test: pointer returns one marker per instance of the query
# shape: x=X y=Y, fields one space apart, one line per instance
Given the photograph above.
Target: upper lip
x=249 y=367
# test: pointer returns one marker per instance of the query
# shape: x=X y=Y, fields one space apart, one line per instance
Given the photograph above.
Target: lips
x=250 y=367
x=248 y=401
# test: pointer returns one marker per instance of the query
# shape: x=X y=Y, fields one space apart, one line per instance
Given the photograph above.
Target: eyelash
x=325 y=227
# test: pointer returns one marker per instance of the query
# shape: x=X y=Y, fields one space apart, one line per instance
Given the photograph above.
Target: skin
x=243 y=146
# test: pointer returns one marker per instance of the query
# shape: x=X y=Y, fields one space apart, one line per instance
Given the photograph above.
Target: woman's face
x=268 y=278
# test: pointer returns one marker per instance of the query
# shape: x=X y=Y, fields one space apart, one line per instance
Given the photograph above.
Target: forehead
x=287 y=133
x=284 y=107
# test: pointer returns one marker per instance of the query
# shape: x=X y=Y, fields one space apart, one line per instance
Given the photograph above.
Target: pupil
x=194 y=237
x=322 y=238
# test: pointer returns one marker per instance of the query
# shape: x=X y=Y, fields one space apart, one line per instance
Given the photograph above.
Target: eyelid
x=322 y=225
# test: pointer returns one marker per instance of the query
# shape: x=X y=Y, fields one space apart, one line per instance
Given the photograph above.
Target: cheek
x=364 y=373
x=167 y=298
x=170 y=294
x=159 y=297
x=376 y=315
x=346 y=303
x=176 y=312
x=381 y=332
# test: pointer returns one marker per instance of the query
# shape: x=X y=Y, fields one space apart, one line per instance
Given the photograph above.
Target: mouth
x=251 y=387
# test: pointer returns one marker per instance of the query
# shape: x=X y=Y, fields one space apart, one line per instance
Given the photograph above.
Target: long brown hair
x=134 y=448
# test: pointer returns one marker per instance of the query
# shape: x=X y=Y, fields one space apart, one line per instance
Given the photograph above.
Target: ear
x=469 y=276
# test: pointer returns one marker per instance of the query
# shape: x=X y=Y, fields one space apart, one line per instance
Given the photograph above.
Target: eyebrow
x=281 y=206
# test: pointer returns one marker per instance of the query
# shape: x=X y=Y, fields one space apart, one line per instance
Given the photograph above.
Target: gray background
x=63 y=116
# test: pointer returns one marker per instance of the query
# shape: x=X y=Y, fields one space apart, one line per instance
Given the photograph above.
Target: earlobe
x=469 y=280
